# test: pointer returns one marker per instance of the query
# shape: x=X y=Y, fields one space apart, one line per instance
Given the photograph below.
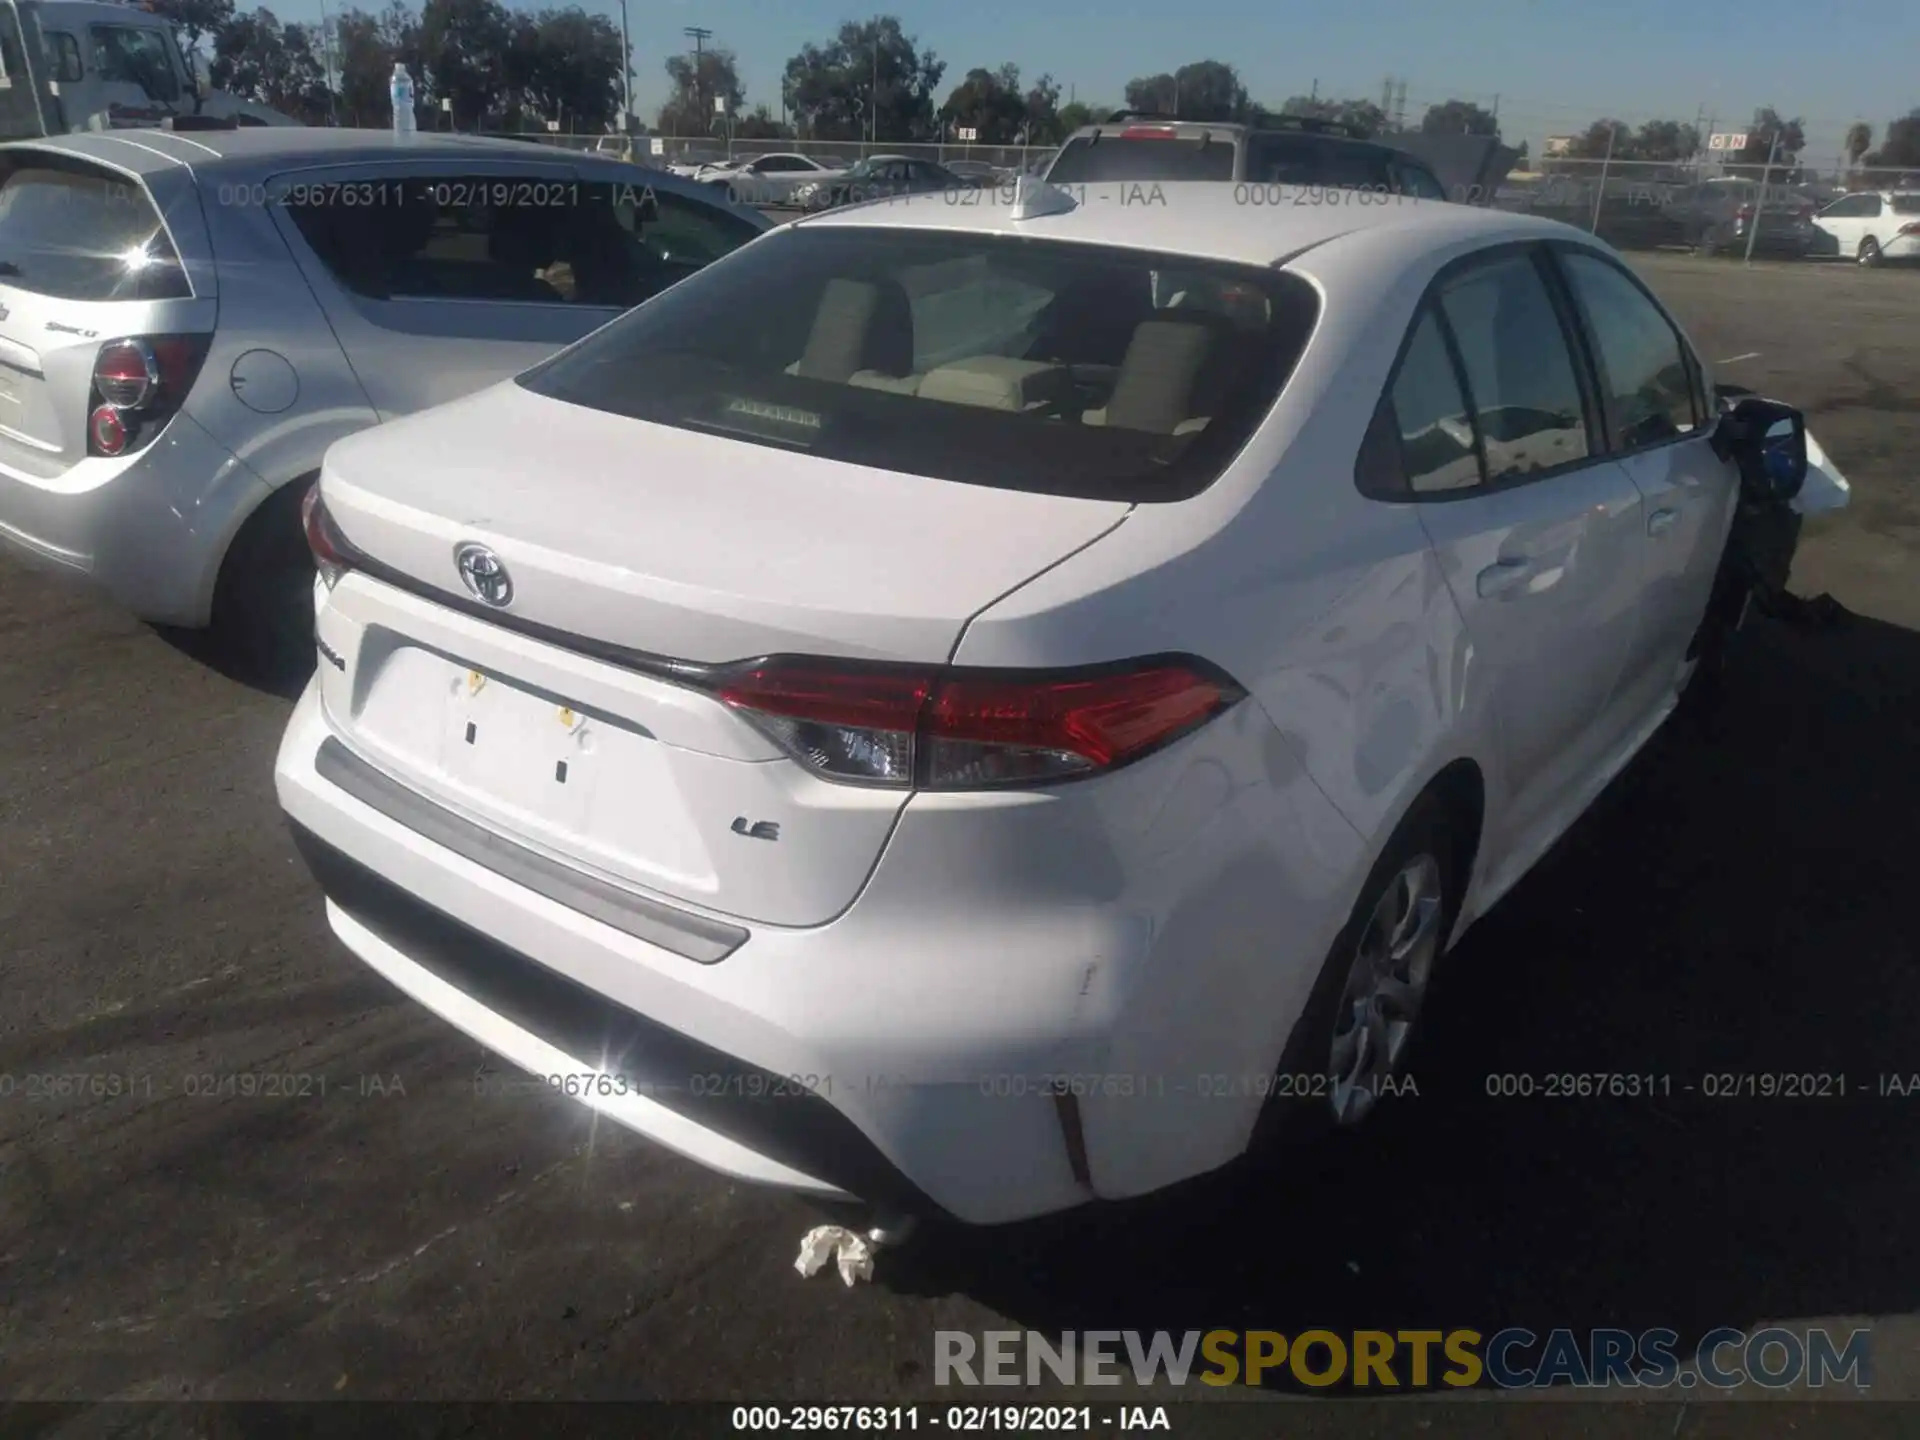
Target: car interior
x=1100 y=353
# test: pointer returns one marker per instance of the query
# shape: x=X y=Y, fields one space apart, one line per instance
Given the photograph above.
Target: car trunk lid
x=578 y=716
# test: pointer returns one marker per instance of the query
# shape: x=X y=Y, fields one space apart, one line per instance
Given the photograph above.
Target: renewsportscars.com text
x=1773 y=1358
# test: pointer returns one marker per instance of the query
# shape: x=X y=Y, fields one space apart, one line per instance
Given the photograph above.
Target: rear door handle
x=1661 y=521
x=1503 y=578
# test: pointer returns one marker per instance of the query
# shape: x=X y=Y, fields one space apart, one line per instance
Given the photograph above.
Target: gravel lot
x=1736 y=904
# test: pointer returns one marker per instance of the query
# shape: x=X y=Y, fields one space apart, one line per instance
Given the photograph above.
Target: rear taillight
x=333 y=553
x=139 y=382
x=1745 y=212
x=959 y=730
x=1912 y=227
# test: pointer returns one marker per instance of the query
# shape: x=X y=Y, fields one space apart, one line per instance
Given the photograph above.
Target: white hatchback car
x=950 y=702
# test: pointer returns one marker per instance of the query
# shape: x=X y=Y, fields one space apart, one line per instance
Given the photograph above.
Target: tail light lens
x=139 y=382
x=905 y=727
x=333 y=553
x=1745 y=212
x=1912 y=227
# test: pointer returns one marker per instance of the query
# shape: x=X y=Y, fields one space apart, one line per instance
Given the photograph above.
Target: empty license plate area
x=528 y=754
x=586 y=783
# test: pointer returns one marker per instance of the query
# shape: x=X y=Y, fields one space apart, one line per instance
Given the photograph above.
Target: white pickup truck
x=69 y=65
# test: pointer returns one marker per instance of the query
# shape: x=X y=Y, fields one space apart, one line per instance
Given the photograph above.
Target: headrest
x=1155 y=388
x=860 y=325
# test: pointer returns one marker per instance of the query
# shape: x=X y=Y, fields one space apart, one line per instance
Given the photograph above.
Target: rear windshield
x=77 y=233
x=1316 y=161
x=989 y=360
x=1115 y=157
x=1906 y=204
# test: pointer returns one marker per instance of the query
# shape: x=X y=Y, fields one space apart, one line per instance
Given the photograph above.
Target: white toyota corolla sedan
x=966 y=705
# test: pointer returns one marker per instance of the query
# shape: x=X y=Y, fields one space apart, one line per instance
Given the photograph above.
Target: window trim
x=1696 y=374
x=1584 y=380
x=70 y=51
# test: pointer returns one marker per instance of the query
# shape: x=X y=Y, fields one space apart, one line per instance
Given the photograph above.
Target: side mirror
x=1768 y=441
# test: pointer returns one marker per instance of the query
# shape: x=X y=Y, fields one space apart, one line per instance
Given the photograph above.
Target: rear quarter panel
x=266 y=306
x=1332 y=611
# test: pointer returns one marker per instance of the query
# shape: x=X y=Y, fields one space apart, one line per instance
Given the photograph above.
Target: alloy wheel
x=1385 y=988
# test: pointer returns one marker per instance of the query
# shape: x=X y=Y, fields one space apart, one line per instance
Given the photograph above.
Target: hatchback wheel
x=1869 y=251
x=1350 y=1048
x=263 y=604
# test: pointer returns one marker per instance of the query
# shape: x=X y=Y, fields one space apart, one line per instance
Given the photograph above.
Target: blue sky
x=1552 y=69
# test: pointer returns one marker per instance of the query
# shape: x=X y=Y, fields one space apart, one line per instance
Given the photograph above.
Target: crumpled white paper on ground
x=835 y=1242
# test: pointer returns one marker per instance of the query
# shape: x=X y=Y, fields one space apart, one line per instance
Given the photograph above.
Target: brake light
x=333 y=553
x=1745 y=212
x=1149 y=132
x=1912 y=227
x=902 y=726
x=140 y=381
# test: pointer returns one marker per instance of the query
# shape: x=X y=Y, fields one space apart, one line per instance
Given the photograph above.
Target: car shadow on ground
x=1741 y=902
x=283 y=675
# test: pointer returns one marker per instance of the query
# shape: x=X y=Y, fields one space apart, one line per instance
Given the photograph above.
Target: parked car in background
x=770 y=179
x=688 y=164
x=1873 y=226
x=1720 y=216
x=875 y=178
x=979 y=172
x=952 y=643
x=1280 y=150
x=188 y=322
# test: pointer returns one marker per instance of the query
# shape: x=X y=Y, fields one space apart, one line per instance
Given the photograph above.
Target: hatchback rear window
x=1118 y=157
x=1313 y=160
x=985 y=359
x=74 y=232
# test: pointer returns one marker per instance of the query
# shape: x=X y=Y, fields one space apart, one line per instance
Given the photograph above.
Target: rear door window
x=63 y=56
x=1906 y=204
x=74 y=232
x=984 y=359
x=510 y=239
x=1117 y=157
x=1519 y=371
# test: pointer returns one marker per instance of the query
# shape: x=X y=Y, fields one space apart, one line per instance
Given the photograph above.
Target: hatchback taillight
x=139 y=382
x=904 y=726
x=1912 y=227
x=333 y=553
x=1745 y=212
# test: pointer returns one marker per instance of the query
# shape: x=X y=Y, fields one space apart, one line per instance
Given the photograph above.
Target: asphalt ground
x=1740 y=902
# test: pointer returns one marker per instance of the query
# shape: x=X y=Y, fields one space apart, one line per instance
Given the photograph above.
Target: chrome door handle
x=1503 y=578
x=1661 y=521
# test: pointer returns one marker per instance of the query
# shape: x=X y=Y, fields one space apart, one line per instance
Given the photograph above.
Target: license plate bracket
x=521 y=751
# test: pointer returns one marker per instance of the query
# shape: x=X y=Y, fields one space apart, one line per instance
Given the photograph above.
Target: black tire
x=263 y=602
x=1869 y=253
x=1303 y=1106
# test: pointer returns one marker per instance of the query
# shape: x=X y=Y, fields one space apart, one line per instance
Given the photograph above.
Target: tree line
x=478 y=66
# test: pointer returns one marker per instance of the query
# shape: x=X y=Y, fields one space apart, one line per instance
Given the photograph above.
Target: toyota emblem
x=483 y=574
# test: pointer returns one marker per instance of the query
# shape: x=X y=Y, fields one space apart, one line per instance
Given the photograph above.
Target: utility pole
x=1760 y=195
x=326 y=52
x=699 y=37
x=1315 y=97
x=873 y=119
x=626 y=74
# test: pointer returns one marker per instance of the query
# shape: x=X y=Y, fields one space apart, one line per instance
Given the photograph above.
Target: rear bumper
x=833 y=1060
x=734 y=1116
x=151 y=531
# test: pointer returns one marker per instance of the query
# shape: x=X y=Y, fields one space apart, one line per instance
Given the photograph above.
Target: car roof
x=1200 y=218
x=271 y=147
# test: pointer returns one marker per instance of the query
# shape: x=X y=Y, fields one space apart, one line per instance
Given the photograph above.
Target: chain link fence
x=836 y=154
